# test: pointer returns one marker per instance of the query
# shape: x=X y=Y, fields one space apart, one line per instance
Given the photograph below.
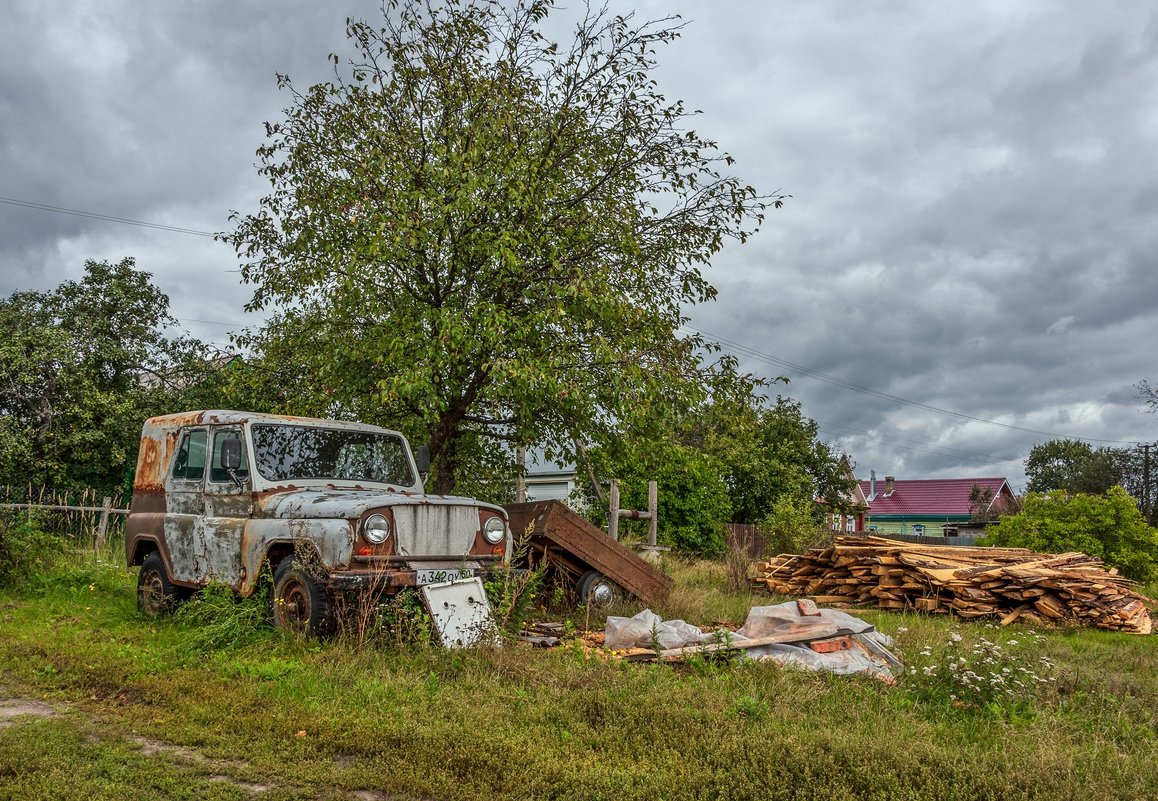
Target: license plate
x=440 y=575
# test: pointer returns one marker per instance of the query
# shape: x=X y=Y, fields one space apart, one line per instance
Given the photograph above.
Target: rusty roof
x=228 y=417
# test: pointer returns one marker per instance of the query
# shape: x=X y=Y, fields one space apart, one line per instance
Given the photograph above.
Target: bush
x=26 y=550
x=1108 y=526
x=790 y=527
x=512 y=594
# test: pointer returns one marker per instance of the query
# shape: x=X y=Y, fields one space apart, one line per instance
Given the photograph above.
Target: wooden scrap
x=1012 y=584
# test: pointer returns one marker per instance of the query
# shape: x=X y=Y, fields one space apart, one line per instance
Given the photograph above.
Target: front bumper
x=390 y=575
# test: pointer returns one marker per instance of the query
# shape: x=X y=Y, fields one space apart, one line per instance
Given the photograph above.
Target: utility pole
x=1146 y=508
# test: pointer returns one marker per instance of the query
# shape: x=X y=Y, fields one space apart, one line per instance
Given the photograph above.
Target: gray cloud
x=971 y=228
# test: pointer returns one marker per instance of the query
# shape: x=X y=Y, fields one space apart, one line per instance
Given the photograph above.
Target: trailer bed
x=573 y=546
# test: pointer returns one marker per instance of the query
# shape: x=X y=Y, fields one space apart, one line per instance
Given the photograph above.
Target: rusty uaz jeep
x=328 y=505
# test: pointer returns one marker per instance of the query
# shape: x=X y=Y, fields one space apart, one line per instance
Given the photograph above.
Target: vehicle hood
x=339 y=503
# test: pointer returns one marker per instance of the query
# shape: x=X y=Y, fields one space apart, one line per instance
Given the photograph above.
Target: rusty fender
x=331 y=540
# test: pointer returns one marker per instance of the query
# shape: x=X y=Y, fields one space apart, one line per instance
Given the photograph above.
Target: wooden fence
x=746 y=537
x=78 y=513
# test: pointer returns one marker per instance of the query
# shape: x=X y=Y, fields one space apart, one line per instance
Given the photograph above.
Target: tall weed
x=216 y=618
x=512 y=594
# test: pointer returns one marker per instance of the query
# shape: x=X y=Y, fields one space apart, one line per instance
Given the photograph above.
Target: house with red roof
x=934 y=507
x=854 y=501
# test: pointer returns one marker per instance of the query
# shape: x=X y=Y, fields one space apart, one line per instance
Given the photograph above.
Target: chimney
x=889 y=485
x=872 y=496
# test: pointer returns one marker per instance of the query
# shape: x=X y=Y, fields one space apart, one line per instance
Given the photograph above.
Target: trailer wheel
x=301 y=605
x=597 y=591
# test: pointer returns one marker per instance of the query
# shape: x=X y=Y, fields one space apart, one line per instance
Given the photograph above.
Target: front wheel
x=156 y=594
x=301 y=605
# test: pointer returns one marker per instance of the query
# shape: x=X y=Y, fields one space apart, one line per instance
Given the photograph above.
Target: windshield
x=295 y=453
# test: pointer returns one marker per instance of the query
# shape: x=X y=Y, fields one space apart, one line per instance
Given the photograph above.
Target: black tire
x=156 y=594
x=597 y=591
x=301 y=605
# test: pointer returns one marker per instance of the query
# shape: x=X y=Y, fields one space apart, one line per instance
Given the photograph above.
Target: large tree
x=81 y=366
x=1071 y=465
x=476 y=233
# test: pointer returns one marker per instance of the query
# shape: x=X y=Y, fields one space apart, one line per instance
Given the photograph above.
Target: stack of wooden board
x=1009 y=583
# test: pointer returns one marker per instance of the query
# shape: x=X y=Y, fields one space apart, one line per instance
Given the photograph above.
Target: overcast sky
x=973 y=224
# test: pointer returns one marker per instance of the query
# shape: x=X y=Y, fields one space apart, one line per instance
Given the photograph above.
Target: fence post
x=521 y=475
x=613 y=508
x=653 y=511
x=103 y=526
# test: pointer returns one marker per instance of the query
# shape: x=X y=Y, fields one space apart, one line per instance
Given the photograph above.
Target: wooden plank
x=678 y=654
x=973 y=582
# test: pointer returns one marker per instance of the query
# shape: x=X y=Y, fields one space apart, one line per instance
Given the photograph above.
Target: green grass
x=514 y=723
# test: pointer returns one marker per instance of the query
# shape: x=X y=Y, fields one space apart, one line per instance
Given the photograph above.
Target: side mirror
x=422 y=458
x=231 y=454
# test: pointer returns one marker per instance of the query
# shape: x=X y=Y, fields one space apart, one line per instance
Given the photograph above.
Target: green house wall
x=902 y=524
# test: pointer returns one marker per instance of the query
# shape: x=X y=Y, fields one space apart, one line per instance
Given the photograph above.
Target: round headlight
x=494 y=530
x=376 y=529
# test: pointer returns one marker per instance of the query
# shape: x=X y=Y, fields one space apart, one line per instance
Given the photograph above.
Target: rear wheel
x=597 y=591
x=300 y=603
x=155 y=592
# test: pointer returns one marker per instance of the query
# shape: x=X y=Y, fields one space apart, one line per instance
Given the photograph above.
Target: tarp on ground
x=865 y=650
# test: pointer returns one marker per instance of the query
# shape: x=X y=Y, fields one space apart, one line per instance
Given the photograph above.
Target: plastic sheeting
x=649 y=630
x=868 y=652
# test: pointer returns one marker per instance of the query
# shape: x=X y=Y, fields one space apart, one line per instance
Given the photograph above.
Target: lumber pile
x=1006 y=583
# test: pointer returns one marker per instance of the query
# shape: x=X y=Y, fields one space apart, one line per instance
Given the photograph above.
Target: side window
x=216 y=471
x=190 y=461
x=919 y=530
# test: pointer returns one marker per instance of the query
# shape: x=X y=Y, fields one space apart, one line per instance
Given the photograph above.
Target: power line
x=840 y=382
x=940 y=450
x=28 y=204
x=744 y=349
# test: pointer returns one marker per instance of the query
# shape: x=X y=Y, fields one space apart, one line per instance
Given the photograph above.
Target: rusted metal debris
x=584 y=557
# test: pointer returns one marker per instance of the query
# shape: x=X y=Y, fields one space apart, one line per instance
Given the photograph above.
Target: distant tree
x=1058 y=464
x=1108 y=526
x=1075 y=466
x=733 y=459
x=81 y=367
x=777 y=453
x=485 y=237
x=1148 y=394
x=693 y=500
x=983 y=510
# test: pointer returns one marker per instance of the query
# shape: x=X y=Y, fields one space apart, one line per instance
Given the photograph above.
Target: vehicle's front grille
x=431 y=529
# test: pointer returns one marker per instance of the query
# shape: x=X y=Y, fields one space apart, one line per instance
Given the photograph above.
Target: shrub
x=1108 y=526
x=26 y=550
x=512 y=593
x=790 y=527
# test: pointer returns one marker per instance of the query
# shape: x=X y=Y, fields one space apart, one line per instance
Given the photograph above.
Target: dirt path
x=15 y=711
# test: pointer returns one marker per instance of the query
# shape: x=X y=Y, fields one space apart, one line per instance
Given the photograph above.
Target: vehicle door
x=185 y=504
x=228 y=507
